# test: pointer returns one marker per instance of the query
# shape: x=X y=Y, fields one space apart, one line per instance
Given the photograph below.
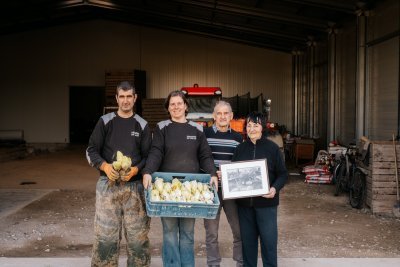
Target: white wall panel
x=39 y=66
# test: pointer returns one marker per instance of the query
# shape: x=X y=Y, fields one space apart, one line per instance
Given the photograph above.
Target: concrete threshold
x=157 y=262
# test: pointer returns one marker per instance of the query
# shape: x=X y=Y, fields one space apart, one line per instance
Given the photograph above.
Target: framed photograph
x=244 y=179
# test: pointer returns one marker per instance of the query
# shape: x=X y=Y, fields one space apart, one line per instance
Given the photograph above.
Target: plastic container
x=181 y=209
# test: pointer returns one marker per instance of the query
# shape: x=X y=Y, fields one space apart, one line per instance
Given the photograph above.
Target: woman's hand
x=271 y=193
x=146 y=180
x=219 y=175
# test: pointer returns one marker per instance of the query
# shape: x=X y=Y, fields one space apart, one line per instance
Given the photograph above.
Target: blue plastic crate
x=181 y=209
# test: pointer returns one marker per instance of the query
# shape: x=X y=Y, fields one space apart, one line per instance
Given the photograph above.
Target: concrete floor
x=308 y=213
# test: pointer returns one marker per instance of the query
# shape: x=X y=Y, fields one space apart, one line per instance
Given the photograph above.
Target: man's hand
x=128 y=175
x=271 y=193
x=146 y=180
x=214 y=181
x=109 y=170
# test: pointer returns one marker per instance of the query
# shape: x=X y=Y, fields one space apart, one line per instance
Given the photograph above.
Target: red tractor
x=201 y=103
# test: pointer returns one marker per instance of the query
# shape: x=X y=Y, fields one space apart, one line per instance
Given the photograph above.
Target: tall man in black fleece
x=120 y=203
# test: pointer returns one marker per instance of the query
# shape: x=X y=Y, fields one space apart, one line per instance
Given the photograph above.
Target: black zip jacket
x=179 y=147
x=277 y=173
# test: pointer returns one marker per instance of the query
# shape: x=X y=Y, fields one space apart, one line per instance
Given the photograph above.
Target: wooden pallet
x=112 y=79
x=154 y=111
x=381 y=183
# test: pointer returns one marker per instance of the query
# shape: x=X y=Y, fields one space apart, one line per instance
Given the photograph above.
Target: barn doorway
x=85 y=108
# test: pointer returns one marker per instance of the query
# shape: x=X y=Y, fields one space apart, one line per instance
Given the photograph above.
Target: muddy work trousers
x=120 y=206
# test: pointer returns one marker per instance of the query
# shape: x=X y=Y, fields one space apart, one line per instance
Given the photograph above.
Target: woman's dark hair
x=176 y=93
x=257 y=117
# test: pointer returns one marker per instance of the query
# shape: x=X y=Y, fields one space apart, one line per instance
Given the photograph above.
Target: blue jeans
x=178 y=242
x=255 y=223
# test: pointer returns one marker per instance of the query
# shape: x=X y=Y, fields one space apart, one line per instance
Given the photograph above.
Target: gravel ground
x=312 y=222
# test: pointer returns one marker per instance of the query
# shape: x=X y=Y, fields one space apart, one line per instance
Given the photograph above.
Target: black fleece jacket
x=179 y=147
x=277 y=173
x=131 y=136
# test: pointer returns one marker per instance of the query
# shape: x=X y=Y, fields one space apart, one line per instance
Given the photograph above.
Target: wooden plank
x=384 y=198
x=384 y=165
x=384 y=152
x=152 y=100
x=112 y=79
x=153 y=111
x=384 y=191
x=384 y=172
x=384 y=178
x=155 y=115
x=381 y=142
x=383 y=205
x=384 y=185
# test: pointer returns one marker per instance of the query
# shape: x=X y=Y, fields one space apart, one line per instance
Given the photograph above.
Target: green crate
x=181 y=209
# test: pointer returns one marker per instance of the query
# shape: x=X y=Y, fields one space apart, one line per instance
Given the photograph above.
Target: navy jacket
x=277 y=173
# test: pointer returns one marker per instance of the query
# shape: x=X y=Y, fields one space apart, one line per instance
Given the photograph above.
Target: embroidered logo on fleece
x=136 y=134
x=191 y=137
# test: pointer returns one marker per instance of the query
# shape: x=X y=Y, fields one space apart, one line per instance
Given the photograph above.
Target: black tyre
x=340 y=178
x=335 y=171
x=357 y=189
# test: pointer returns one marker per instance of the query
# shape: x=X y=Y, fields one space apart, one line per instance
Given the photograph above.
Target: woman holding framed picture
x=258 y=215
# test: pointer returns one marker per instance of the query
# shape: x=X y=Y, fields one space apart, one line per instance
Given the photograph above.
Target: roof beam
x=287 y=37
x=347 y=7
x=259 y=13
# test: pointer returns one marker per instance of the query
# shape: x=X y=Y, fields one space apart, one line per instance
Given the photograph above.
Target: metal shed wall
x=41 y=65
x=345 y=102
x=383 y=72
x=174 y=60
x=311 y=91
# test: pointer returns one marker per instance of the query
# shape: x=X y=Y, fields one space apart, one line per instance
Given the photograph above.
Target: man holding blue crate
x=223 y=141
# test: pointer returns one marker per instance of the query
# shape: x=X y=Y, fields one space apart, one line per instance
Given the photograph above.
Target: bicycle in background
x=351 y=172
x=342 y=170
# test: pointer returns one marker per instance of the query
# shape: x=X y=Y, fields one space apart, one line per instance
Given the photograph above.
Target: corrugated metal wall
x=174 y=60
x=362 y=84
x=346 y=50
x=52 y=59
x=302 y=93
x=311 y=91
x=319 y=130
x=383 y=70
